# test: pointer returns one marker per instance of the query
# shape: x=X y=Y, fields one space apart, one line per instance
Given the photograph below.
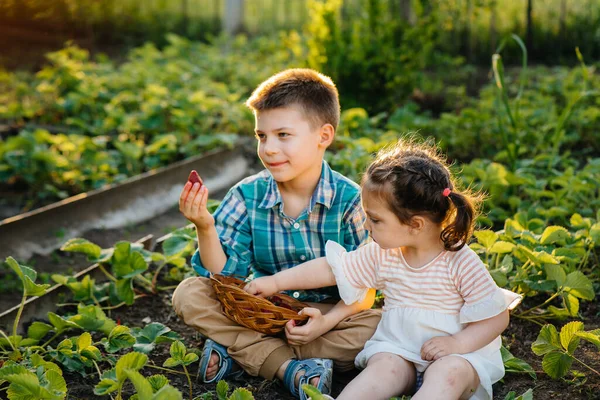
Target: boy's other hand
x=263 y=287
x=192 y=204
x=315 y=327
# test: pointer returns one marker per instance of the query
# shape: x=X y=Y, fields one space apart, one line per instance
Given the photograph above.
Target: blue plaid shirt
x=259 y=239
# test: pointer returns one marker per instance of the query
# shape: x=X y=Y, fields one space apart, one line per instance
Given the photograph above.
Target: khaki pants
x=196 y=303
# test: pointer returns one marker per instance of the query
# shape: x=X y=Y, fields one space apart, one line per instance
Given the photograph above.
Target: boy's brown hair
x=311 y=90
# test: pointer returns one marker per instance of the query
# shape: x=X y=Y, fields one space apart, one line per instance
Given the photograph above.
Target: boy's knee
x=363 y=326
x=187 y=290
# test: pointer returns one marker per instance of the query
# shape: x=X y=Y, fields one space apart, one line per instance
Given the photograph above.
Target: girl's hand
x=439 y=347
x=192 y=204
x=315 y=327
x=263 y=287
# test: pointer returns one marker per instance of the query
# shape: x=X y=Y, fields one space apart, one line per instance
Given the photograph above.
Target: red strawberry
x=194 y=177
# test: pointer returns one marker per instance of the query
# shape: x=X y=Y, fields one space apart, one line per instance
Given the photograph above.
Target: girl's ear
x=417 y=223
x=327 y=133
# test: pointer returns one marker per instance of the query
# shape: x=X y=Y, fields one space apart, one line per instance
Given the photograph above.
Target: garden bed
x=519 y=336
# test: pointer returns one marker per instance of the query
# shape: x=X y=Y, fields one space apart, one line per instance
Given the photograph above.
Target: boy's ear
x=327 y=134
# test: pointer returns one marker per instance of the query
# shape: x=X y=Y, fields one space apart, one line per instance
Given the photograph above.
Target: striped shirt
x=259 y=239
x=445 y=284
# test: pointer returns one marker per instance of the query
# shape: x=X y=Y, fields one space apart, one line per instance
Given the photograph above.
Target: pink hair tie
x=446 y=192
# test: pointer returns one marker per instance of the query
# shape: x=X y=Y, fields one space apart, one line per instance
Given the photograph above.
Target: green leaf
x=37 y=361
x=171 y=362
x=14 y=265
x=312 y=392
x=121 y=252
x=118 y=339
x=151 y=334
x=27 y=276
x=12 y=369
x=502 y=247
x=243 y=394
x=568 y=339
x=222 y=389
x=514 y=364
x=90 y=318
x=538 y=257
x=128 y=265
x=137 y=264
x=571 y=304
x=79 y=245
x=595 y=233
x=106 y=386
x=158 y=381
x=178 y=262
x=66 y=344
x=142 y=386
x=499 y=277
x=32 y=289
x=130 y=361
x=91 y=352
x=125 y=291
x=578 y=222
x=24 y=386
x=177 y=350
x=60 y=323
x=591 y=336
x=174 y=245
x=56 y=384
x=38 y=330
x=555 y=273
x=528 y=395
x=190 y=358
x=84 y=340
x=507 y=264
x=168 y=392
x=557 y=364
x=572 y=255
x=554 y=234
x=579 y=285
x=547 y=341
x=486 y=237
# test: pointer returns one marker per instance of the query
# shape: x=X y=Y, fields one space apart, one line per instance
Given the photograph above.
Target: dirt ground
x=518 y=337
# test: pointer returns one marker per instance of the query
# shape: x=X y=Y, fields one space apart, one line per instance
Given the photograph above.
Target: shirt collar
x=324 y=192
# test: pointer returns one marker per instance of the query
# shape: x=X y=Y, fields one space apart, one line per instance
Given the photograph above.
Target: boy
x=273 y=221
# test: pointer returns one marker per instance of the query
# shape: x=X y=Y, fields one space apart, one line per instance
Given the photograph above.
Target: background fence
x=471 y=27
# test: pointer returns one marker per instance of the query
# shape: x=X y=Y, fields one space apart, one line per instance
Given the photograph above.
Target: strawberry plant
x=559 y=349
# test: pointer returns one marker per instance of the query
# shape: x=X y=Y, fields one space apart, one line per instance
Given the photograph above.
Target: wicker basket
x=265 y=315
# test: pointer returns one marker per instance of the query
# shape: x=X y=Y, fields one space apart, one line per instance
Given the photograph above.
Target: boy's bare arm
x=192 y=204
x=211 y=252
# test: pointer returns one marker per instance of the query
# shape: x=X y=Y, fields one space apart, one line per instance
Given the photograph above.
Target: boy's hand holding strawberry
x=192 y=203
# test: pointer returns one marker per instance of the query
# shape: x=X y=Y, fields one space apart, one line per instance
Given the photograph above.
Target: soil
x=518 y=337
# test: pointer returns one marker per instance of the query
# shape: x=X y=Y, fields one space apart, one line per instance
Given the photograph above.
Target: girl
x=443 y=313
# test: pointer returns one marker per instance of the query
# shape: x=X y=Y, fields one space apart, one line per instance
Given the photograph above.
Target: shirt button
x=297 y=225
x=296 y=295
x=303 y=257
